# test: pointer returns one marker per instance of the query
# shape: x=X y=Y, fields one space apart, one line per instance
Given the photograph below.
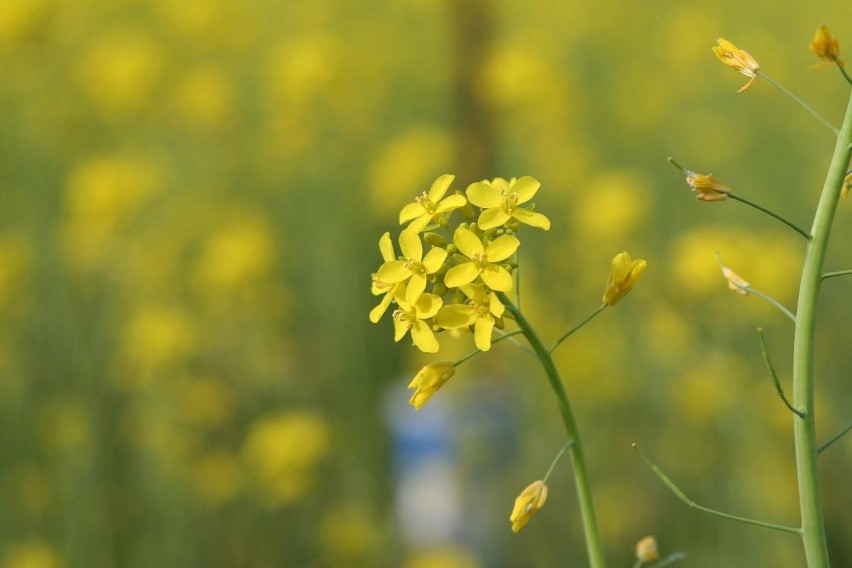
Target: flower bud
x=528 y=504
x=646 y=550
x=428 y=381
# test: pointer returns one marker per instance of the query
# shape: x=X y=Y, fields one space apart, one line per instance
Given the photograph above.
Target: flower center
x=479 y=260
x=415 y=266
x=426 y=203
x=510 y=201
x=407 y=318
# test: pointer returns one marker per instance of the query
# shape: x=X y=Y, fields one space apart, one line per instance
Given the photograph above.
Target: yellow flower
x=847 y=184
x=428 y=381
x=482 y=261
x=528 y=504
x=501 y=199
x=735 y=282
x=379 y=287
x=479 y=312
x=429 y=205
x=826 y=47
x=736 y=58
x=707 y=187
x=646 y=550
x=411 y=316
x=413 y=267
x=625 y=272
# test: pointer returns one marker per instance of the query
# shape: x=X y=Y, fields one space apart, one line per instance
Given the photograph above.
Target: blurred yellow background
x=191 y=195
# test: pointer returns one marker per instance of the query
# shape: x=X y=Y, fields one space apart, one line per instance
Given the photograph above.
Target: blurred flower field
x=191 y=197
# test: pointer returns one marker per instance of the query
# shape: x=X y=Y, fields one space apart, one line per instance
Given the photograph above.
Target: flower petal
x=461 y=274
x=491 y=218
x=377 y=312
x=416 y=286
x=501 y=248
x=393 y=272
x=424 y=338
x=467 y=242
x=495 y=306
x=439 y=187
x=497 y=278
x=410 y=211
x=526 y=187
x=452 y=202
x=427 y=305
x=453 y=316
x=532 y=218
x=400 y=328
x=434 y=260
x=482 y=333
x=419 y=223
x=386 y=247
x=409 y=242
x=483 y=194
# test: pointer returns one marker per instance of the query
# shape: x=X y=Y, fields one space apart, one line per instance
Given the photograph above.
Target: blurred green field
x=191 y=197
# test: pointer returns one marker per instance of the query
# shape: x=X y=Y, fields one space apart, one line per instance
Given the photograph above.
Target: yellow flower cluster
x=453 y=285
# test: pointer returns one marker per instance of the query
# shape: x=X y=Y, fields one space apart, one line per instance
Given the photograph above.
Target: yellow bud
x=428 y=381
x=826 y=47
x=646 y=550
x=528 y=504
x=737 y=59
x=707 y=187
x=625 y=272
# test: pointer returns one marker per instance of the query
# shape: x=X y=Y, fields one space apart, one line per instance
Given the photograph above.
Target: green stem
x=833 y=439
x=516 y=343
x=477 y=351
x=556 y=460
x=581 y=477
x=845 y=73
x=638 y=563
x=813 y=523
x=693 y=505
x=828 y=275
x=568 y=333
x=763 y=209
x=772 y=301
x=802 y=103
x=774 y=375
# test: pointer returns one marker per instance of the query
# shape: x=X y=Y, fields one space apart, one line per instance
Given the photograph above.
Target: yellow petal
x=495 y=306
x=497 y=278
x=453 y=316
x=461 y=274
x=532 y=218
x=400 y=328
x=377 y=312
x=482 y=333
x=419 y=223
x=450 y=203
x=427 y=305
x=501 y=248
x=434 y=260
x=526 y=188
x=416 y=286
x=409 y=212
x=409 y=242
x=467 y=242
x=424 y=338
x=386 y=247
x=393 y=272
x=439 y=187
x=491 y=218
x=484 y=195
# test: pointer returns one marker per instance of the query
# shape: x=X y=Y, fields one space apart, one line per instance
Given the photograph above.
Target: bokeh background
x=191 y=196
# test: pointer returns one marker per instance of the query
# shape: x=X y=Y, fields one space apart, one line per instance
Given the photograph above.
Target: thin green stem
x=774 y=375
x=772 y=301
x=518 y=284
x=594 y=545
x=556 y=460
x=828 y=275
x=693 y=505
x=516 y=343
x=833 y=439
x=802 y=103
x=670 y=559
x=845 y=73
x=477 y=351
x=771 y=213
x=810 y=502
x=568 y=333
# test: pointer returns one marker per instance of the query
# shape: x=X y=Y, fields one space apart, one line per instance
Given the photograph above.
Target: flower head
x=528 y=504
x=411 y=316
x=428 y=381
x=735 y=282
x=482 y=261
x=646 y=550
x=625 y=272
x=501 y=199
x=413 y=266
x=429 y=205
x=480 y=311
x=379 y=287
x=707 y=187
x=826 y=47
x=736 y=58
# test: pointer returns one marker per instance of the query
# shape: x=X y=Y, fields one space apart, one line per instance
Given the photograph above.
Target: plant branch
x=477 y=351
x=833 y=439
x=771 y=213
x=774 y=375
x=568 y=333
x=802 y=103
x=828 y=275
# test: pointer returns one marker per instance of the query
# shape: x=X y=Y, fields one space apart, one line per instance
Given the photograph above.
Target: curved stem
x=790 y=224
x=693 y=505
x=568 y=333
x=477 y=351
x=801 y=103
x=772 y=301
x=828 y=275
x=774 y=375
x=833 y=439
x=556 y=460
x=813 y=523
x=845 y=73
x=581 y=477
